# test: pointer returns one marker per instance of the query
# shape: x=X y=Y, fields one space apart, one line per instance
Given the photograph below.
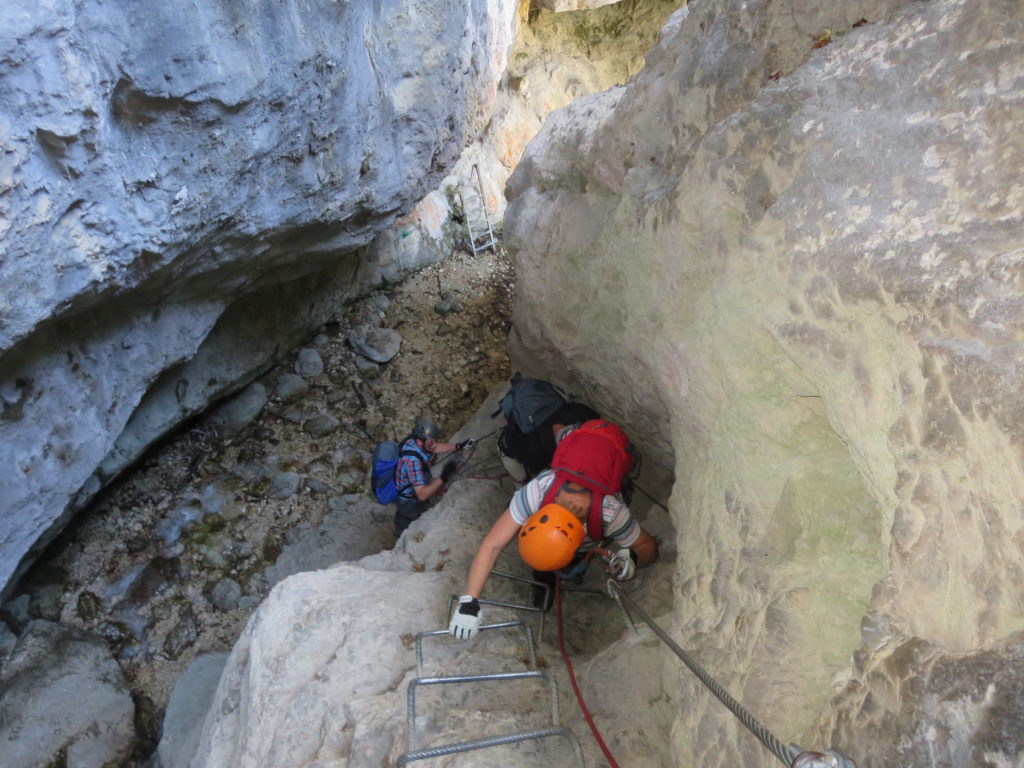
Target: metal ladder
x=554 y=730
x=474 y=209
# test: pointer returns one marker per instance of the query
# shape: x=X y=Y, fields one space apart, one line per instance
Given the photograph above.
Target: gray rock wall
x=185 y=191
x=788 y=255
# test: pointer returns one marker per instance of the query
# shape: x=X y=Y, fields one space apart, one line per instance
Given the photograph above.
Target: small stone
x=135 y=544
x=290 y=386
x=88 y=606
x=212 y=555
x=239 y=412
x=249 y=603
x=377 y=344
x=233 y=510
x=350 y=457
x=225 y=595
x=181 y=637
x=317 y=486
x=15 y=612
x=47 y=603
x=263 y=433
x=241 y=550
x=309 y=363
x=258 y=584
x=286 y=484
x=115 y=634
x=382 y=302
x=321 y=426
x=365 y=366
x=248 y=473
x=351 y=480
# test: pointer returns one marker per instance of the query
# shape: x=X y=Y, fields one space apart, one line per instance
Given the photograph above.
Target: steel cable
x=785 y=753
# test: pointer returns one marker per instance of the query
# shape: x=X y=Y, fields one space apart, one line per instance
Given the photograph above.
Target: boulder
x=309 y=364
x=190 y=699
x=290 y=386
x=376 y=344
x=322 y=425
x=63 y=699
x=239 y=412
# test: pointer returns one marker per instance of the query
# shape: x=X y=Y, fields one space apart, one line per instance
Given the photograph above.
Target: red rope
x=572 y=679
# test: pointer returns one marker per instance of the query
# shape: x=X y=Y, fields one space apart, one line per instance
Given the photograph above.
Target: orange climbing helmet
x=550 y=537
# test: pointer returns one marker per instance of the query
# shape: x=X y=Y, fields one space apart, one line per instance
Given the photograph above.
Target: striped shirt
x=619 y=522
x=412 y=470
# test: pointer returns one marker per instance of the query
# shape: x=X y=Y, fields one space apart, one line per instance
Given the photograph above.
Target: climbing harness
x=414 y=754
x=790 y=755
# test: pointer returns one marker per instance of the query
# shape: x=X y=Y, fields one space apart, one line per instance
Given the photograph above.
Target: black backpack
x=534 y=449
x=529 y=403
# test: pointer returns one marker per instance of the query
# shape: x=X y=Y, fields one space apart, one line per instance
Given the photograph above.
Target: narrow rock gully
x=169 y=562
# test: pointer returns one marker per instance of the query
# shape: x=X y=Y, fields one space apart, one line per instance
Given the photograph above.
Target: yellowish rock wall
x=787 y=255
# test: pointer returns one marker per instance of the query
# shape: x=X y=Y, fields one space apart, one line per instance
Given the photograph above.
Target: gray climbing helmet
x=425 y=429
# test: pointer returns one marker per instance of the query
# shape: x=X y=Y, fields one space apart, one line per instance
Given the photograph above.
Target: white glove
x=466 y=619
x=622 y=565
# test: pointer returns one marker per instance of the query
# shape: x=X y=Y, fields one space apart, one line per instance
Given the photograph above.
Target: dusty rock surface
x=170 y=562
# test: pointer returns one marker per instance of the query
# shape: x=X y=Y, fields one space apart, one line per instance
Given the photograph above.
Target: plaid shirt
x=412 y=470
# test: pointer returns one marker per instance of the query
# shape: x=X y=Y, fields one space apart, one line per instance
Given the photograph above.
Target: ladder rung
x=527 y=629
x=495 y=741
x=500 y=677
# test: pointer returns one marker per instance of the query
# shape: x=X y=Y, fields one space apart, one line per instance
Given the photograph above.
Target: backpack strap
x=595 y=517
x=401 y=454
x=595 y=520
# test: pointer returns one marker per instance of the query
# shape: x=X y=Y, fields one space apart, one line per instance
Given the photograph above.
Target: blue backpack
x=383 y=471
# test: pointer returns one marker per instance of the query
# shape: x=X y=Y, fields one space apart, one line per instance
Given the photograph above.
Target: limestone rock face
x=185 y=191
x=788 y=256
x=556 y=58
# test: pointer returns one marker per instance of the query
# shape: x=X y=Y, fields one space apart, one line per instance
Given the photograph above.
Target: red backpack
x=596 y=455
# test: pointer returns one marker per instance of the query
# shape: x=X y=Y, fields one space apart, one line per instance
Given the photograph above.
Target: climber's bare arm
x=501 y=533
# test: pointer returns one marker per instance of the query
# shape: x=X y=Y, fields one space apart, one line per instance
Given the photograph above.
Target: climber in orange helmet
x=551 y=516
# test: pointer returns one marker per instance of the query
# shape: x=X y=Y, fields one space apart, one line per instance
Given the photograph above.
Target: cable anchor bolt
x=830 y=758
